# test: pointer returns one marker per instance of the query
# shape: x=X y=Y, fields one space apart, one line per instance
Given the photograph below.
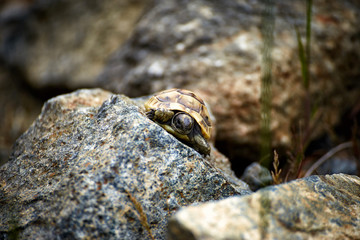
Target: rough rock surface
x=317 y=207
x=93 y=166
x=215 y=48
x=62 y=43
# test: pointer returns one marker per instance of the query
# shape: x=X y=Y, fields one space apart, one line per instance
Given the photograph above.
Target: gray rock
x=93 y=166
x=317 y=207
x=257 y=176
x=40 y=38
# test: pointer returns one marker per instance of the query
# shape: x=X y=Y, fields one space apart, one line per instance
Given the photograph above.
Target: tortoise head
x=182 y=123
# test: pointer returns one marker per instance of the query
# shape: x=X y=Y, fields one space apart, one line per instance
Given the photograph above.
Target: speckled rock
x=93 y=166
x=317 y=207
x=215 y=48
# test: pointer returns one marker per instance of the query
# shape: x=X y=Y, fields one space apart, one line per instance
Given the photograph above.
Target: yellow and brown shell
x=186 y=101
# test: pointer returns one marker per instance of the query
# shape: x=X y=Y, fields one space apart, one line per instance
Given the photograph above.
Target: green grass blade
x=308 y=40
x=267 y=30
x=302 y=58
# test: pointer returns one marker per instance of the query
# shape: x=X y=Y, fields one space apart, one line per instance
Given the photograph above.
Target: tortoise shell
x=185 y=101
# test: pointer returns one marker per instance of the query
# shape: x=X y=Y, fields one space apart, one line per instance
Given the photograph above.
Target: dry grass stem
x=328 y=155
x=276 y=173
x=143 y=218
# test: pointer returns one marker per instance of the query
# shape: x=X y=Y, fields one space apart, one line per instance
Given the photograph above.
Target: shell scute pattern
x=186 y=101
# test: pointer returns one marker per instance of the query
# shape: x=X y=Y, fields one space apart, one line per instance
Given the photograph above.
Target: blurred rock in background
x=18 y=110
x=64 y=44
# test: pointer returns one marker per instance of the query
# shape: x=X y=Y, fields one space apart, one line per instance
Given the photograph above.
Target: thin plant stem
x=304 y=57
x=276 y=173
x=267 y=30
x=308 y=39
x=328 y=155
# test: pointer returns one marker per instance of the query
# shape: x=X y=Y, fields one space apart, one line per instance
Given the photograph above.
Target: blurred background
x=277 y=75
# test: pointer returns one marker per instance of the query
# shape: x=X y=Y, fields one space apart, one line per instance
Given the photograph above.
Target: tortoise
x=183 y=114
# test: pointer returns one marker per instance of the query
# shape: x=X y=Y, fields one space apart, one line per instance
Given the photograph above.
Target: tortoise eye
x=182 y=123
